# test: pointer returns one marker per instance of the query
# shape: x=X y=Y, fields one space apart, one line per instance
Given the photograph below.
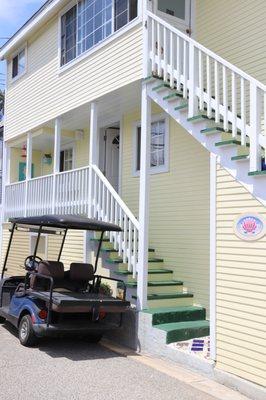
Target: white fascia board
x=21 y=35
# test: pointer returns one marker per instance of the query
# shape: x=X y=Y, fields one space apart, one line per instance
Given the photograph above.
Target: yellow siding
x=20 y=249
x=235 y=30
x=241 y=293
x=179 y=206
x=50 y=94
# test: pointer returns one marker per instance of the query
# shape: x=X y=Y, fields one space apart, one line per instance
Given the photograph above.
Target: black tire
x=26 y=334
x=93 y=338
x=2 y=320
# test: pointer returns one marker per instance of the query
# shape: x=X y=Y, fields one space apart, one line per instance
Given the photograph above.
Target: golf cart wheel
x=27 y=336
x=2 y=320
x=93 y=338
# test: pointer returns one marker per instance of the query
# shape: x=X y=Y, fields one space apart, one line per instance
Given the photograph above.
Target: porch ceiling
x=110 y=108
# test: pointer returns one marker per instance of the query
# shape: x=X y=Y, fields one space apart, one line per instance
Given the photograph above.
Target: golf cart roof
x=67 y=222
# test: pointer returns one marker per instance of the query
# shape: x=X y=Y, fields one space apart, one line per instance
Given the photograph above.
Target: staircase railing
x=108 y=206
x=231 y=97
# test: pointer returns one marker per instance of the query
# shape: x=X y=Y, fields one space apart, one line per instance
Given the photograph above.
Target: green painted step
x=112 y=250
x=173 y=96
x=228 y=142
x=151 y=272
x=166 y=296
x=119 y=260
x=151 y=77
x=179 y=331
x=97 y=239
x=165 y=315
x=200 y=117
x=157 y=283
x=161 y=87
x=212 y=130
x=181 y=107
x=242 y=157
x=257 y=173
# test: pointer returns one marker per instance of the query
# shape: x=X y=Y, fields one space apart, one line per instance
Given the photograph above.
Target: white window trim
x=18 y=76
x=34 y=235
x=68 y=147
x=153 y=170
x=89 y=52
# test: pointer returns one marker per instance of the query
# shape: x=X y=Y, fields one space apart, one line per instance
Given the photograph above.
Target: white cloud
x=12 y=11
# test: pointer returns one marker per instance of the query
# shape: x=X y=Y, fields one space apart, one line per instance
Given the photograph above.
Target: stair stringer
x=255 y=185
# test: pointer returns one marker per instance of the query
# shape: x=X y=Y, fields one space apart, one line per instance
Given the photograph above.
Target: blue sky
x=13 y=14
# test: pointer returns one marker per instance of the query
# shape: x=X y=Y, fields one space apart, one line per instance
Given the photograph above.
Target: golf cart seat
x=80 y=274
x=53 y=269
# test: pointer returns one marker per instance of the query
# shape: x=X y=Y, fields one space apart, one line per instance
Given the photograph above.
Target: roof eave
x=21 y=35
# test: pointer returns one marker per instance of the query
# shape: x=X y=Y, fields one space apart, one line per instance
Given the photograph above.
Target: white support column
x=144 y=199
x=28 y=170
x=213 y=184
x=57 y=148
x=5 y=175
x=93 y=159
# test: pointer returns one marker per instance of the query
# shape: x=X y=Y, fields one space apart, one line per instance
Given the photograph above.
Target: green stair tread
x=120 y=260
x=116 y=251
x=157 y=283
x=242 y=157
x=173 y=95
x=182 y=106
x=162 y=85
x=151 y=77
x=257 y=173
x=165 y=296
x=97 y=239
x=213 y=129
x=151 y=271
x=227 y=142
x=179 y=331
x=176 y=314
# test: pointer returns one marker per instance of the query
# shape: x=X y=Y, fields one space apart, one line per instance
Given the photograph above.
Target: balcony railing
x=82 y=191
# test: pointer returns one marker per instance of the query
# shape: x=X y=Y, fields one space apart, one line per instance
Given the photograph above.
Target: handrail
x=210 y=53
x=116 y=196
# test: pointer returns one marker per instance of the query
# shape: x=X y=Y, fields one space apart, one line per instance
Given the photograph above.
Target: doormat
x=200 y=347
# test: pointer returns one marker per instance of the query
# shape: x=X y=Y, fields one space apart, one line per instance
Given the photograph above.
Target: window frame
x=70 y=146
x=104 y=42
x=16 y=54
x=153 y=169
x=182 y=22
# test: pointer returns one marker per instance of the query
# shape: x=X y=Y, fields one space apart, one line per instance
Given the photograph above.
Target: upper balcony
x=79 y=52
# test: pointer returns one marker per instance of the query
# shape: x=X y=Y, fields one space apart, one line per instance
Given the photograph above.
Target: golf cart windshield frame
x=52 y=224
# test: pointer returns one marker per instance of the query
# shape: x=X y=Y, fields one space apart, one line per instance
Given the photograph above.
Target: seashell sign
x=250 y=226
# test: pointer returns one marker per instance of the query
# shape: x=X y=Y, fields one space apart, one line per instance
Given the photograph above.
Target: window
x=19 y=64
x=159 y=146
x=66 y=159
x=172 y=7
x=90 y=22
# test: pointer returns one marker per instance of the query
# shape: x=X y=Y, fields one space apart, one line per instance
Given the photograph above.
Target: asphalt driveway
x=74 y=369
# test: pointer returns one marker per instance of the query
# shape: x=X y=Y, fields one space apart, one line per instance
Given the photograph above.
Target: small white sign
x=250 y=226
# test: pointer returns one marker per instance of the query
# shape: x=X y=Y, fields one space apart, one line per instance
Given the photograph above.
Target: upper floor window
x=66 y=159
x=19 y=64
x=90 y=22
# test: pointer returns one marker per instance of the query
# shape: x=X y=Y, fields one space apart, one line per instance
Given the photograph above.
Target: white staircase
x=218 y=104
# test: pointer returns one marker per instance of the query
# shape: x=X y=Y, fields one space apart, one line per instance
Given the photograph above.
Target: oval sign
x=249 y=227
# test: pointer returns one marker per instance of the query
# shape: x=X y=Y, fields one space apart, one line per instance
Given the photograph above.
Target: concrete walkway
x=74 y=369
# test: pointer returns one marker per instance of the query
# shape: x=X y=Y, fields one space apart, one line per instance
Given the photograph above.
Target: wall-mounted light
x=79 y=134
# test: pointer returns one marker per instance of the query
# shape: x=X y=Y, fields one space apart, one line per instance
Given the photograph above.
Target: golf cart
x=49 y=300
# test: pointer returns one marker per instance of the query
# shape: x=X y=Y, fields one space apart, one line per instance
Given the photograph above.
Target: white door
x=111 y=156
x=177 y=13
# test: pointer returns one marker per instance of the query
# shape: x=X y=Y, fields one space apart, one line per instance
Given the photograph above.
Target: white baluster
x=165 y=54
x=185 y=69
x=153 y=46
x=159 y=49
x=243 y=112
x=209 y=96
x=217 y=91
x=178 y=71
x=225 y=98
x=193 y=99
x=255 y=128
x=234 y=112
x=172 y=60
x=129 y=254
x=201 y=104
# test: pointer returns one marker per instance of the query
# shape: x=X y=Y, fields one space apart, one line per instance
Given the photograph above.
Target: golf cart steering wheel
x=31 y=263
